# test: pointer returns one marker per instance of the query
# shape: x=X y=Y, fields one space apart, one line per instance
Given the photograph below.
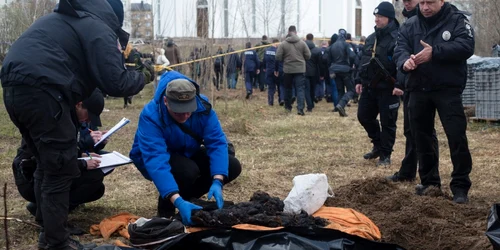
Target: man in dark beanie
x=55 y=64
x=379 y=92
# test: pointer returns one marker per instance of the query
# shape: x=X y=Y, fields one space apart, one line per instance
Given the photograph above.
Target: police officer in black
x=55 y=64
x=408 y=169
x=341 y=57
x=379 y=91
x=433 y=49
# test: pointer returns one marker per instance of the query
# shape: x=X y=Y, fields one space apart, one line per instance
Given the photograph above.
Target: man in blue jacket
x=251 y=66
x=271 y=68
x=433 y=48
x=168 y=147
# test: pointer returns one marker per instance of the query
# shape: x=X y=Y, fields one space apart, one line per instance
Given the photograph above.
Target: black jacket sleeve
x=105 y=63
x=403 y=48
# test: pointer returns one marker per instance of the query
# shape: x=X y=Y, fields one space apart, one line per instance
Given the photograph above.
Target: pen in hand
x=90 y=156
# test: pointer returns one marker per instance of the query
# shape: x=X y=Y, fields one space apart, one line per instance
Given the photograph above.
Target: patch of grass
x=272 y=145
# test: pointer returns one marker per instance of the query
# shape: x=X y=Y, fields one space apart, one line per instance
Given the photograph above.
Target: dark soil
x=417 y=222
x=262 y=210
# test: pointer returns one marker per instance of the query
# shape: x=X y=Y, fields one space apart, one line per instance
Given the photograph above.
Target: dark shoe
x=309 y=110
x=288 y=110
x=300 y=112
x=384 y=161
x=129 y=100
x=42 y=243
x=460 y=198
x=165 y=208
x=398 y=178
x=248 y=95
x=374 y=154
x=31 y=207
x=420 y=189
x=341 y=110
x=355 y=100
x=334 y=110
x=76 y=245
x=74 y=230
x=348 y=105
x=282 y=103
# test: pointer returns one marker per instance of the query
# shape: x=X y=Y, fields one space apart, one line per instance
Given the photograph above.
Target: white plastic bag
x=309 y=193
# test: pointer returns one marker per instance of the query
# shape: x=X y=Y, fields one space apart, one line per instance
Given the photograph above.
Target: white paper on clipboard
x=115 y=128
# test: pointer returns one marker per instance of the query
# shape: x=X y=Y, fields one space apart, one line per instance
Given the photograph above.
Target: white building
x=254 y=18
x=127 y=21
x=4 y=2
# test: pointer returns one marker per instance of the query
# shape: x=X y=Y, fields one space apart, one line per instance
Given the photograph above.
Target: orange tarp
x=349 y=221
x=117 y=223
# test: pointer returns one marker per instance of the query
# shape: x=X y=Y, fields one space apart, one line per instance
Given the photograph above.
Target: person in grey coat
x=294 y=53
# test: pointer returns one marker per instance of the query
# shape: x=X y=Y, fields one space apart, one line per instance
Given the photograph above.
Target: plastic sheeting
x=493 y=229
x=288 y=238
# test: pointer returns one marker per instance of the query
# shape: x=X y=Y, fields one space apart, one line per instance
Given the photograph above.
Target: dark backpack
x=218 y=62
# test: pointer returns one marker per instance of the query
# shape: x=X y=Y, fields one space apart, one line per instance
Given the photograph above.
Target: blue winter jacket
x=270 y=62
x=251 y=61
x=158 y=137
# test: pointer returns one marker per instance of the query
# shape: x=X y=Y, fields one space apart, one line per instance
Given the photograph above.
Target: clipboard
x=124 y=121
x=110 y=160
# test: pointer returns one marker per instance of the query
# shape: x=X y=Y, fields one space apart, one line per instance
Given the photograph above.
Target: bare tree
x=16 y=17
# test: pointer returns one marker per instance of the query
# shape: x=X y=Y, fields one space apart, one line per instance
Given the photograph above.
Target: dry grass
x=272 y=146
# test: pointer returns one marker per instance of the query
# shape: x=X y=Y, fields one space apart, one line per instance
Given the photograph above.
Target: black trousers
x=344 y=81
x=193 y=178
x=409 y=165
x=86 y=188
x=310 y=88
x=46 y=123
x=448 y=103
x=297 y=81
x=218 y=76
x=373 y=102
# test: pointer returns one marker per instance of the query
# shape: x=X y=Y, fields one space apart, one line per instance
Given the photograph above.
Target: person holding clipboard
x=89 y=185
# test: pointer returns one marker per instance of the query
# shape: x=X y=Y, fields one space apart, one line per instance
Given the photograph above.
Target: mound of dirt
x=416 y=222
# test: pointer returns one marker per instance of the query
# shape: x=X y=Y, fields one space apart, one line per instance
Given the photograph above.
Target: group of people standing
x=422 y=62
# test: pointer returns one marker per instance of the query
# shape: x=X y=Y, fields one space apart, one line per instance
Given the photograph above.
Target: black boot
x=384 y=161
x=165 y=208
x=374 y=154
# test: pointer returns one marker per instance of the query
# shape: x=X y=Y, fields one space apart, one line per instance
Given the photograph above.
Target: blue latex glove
x=185 y=209
x=216 y=192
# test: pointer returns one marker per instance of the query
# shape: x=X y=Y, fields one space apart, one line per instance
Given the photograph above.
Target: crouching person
x=180 y=146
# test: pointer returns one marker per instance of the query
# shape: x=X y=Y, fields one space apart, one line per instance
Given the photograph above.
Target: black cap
x=94 y=105
x=385 y=9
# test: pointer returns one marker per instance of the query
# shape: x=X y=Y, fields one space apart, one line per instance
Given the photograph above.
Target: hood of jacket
x=162 y=52
x=310 y=44
x=98 y=8
x=292 y=39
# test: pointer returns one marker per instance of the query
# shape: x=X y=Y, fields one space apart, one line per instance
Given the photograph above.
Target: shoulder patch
x=468 y=27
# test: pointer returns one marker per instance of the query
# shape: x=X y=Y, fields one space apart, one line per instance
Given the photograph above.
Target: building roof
x=140 y=7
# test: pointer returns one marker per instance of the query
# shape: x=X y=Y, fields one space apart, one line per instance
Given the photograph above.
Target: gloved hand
x=185 y=209
x=216 y=192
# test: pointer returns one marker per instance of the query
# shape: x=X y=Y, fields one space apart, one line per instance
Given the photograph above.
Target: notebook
x=115 y=128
